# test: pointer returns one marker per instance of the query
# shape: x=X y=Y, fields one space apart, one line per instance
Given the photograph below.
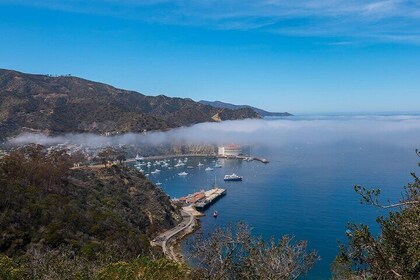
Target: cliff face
x=66 y=104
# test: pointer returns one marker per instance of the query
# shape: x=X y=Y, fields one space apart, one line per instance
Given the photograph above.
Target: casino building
x=232 y=150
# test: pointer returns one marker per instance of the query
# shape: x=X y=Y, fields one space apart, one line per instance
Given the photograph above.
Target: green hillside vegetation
x=66 y=104
x=83 y=217
x=395 y=253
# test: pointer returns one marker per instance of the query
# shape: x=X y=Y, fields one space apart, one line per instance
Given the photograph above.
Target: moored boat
x=232 y=177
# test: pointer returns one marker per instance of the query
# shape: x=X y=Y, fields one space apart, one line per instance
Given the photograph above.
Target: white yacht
x=200 y=164
x=183 y=174
x=232 y=177
x=209 y=169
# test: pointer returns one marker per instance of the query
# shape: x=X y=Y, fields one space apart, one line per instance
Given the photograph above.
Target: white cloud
x=376 y=20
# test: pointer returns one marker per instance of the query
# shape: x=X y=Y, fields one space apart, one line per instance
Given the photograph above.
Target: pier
x=203 y=199
x=263 y=160
x=211 y=196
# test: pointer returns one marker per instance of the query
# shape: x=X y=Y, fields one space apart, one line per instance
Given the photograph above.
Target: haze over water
x=307 y=188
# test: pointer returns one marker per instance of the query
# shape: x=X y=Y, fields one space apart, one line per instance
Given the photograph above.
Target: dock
x=260 y=159
x=211 y=196
x=203 y=199
x=263 y=160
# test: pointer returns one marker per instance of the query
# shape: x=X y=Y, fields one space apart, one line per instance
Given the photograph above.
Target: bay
x=305 y=191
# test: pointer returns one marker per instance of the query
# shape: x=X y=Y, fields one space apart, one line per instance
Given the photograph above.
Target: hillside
x=263 y=113
x=66 y=104
x=45 y=204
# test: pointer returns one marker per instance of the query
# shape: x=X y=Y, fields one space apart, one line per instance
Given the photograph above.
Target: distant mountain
x=65 y=104
x=263 y=113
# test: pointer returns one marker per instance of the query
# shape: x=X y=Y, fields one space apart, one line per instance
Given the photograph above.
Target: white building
x=230 y=150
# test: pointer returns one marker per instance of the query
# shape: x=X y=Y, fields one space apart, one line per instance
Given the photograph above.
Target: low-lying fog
x=401 y=130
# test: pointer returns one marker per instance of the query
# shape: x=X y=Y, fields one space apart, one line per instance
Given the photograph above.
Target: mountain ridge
x=68 y=104
x=261 y=112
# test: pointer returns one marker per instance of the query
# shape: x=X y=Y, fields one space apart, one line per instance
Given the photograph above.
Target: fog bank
x=401 y=130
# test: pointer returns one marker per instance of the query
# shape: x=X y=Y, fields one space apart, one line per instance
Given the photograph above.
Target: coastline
x=170 y=239
x=176 y=245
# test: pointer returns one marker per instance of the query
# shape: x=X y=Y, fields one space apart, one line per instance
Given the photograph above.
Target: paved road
x=164 y=239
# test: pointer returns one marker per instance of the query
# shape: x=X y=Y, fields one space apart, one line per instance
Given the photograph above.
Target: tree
x=121 y=156
x=79 y=158
x=111 y=154
x=234 y=253
x=107 y=155
x=395 y=253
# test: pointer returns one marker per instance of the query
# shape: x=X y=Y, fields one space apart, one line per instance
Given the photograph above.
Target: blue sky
x=299 y=56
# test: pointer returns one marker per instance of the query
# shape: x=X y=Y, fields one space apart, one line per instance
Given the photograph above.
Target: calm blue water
x=306 y=190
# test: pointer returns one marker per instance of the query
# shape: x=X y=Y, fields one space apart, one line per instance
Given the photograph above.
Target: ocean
x=307 y=189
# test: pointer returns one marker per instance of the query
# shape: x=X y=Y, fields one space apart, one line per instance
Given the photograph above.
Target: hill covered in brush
x=67 y=104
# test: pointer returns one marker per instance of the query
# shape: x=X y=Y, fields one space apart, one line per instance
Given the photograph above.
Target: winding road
x=164 y=239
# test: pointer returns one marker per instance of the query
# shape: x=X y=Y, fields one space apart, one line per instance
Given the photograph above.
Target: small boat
x=199 y=164
x=158 y=183
x=147 y=174
x=190 y=167
x=209 y=169
x=217 y=165
x=215 y=213
x=140 y=170
x=183 y=174
x=232 y=177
